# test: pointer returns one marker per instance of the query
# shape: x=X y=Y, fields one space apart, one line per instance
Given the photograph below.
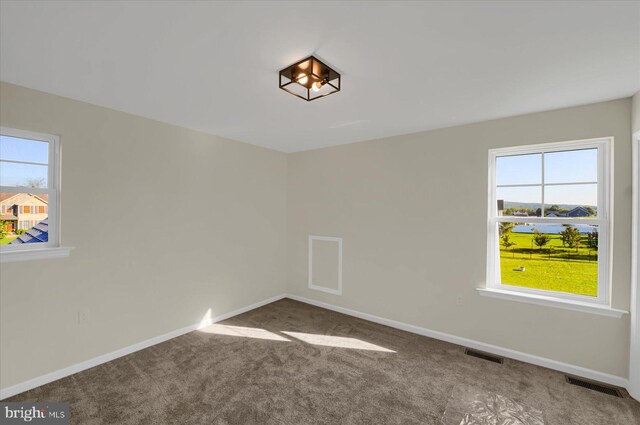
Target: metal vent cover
x=595 y=386
x=484 y=356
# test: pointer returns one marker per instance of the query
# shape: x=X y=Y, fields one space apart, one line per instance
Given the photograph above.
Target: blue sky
x=15 y=149
x=559 y=167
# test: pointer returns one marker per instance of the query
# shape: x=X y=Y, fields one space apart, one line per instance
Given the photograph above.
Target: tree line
x=538 y=212
x=570 y=236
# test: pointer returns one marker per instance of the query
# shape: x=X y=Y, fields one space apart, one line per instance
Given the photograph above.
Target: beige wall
x=394 y=201
x=412 y=211
x=141 y=281
x=635 y=120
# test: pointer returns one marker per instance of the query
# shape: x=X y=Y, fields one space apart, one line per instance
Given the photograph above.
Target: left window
x=29 y=195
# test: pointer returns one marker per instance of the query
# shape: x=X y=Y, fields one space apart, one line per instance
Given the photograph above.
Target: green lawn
x=4 y=241
x=554 y=268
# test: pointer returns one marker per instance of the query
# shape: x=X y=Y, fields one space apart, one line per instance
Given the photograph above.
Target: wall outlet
x=83 y=317
x=459 y=301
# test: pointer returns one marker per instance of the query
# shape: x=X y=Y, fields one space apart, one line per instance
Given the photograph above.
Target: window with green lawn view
x=548 y=224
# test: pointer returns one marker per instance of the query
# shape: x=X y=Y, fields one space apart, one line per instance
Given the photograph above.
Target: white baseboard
x=489 y=348
x=517 y=355
x=78 y=367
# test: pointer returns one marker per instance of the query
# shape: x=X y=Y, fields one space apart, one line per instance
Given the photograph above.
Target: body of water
x=553 y=229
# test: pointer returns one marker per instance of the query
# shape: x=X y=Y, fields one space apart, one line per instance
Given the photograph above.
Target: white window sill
x=34 y=254
x=583 y=307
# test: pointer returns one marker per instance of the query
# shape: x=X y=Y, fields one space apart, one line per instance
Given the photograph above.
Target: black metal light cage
x=310 y=79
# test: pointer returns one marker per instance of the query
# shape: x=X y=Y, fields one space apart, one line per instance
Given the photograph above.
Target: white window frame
x=52 y=248
x=599 y=304
x=634 y=354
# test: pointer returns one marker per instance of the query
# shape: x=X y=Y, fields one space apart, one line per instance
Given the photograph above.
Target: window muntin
x=555 y=186
x=572 y=191
x=29 y=188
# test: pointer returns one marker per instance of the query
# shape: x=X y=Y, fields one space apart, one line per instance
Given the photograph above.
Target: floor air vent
x=601 y=388
x=484 y=356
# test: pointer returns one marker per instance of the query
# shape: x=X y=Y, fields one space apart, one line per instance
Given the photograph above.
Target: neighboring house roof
x=579 y=212
x=38 y=233
x=556 y=214
x=7 y=195
x=8 y=217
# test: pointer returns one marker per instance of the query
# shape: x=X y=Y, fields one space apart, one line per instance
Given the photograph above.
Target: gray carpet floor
x=292 y=363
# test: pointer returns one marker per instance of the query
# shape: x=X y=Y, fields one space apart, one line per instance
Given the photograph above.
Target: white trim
x=489 y=348
x=555 y=146
x=11 y=161
x=548 y=301
x=546 y=184
x=310 y=280
x=604 y=221
x=556 y=220
x=634 y=349
x=79 y=367
x=34 y=254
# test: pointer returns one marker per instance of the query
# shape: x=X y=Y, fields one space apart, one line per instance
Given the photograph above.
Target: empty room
x=320 y=212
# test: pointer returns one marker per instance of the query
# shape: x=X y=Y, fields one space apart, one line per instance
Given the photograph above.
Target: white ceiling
x=406 y=67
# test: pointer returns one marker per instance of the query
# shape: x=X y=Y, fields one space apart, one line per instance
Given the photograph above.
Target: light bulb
x=302 y=79
x=317 y=86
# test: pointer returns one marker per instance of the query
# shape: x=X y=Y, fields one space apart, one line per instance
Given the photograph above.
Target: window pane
x=519 y=201
x=571 y=166
x=519 y=169
x=571 y=200
x=22 y=225
x=562 y=258
x=23 y=175
x=15 y=149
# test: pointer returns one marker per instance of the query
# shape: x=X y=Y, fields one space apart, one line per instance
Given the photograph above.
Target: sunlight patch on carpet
x=241 y=331
x=336 y=341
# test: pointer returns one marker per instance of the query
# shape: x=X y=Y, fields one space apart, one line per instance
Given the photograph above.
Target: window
x=548 y=221
x=29 y=178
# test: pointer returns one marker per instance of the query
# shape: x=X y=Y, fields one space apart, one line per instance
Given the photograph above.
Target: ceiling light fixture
x=309 y=79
